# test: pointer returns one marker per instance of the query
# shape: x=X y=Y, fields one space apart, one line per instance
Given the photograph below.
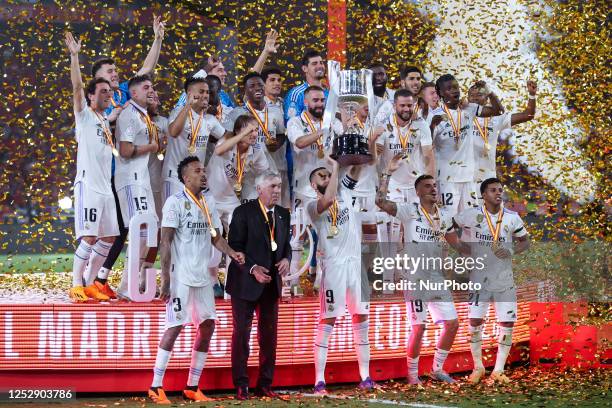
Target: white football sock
x=99 y=252
x=413 y=367
x=503 y=347
x=324 y=332
x=161 y=362
x=81 y=257
x=198 y=359
x=476 y=345
x=362 y=347
x=439 y=359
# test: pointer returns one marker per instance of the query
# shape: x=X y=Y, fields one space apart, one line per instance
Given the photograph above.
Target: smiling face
x=379 y=78
x=269 y=191
x=273 y=85
x=200 y=93
x=101 y=99
x=142 y=93
x=430 y=96
x=315 y=69
x=404 y=106
x=109 y=72
x=450 y=92
x=254 y=90
x=412 y=82
x=315 y=101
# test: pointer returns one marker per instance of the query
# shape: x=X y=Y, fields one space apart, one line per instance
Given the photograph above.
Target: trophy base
x=351 y=149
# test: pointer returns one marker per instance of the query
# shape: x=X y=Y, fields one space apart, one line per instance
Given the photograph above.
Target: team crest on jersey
x=187 y=205
x=86 y=226
x=479 y=218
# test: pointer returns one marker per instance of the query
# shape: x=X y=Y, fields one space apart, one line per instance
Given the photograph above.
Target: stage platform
x=110 y=347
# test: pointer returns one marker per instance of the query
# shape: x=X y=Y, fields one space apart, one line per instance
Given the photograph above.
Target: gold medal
x=273 y=245
x=213 y=232
x=334 y=230
x=115 y=152
x=192 y=149
x=160 y=156
x=107 y=134
x=320 y=154
x=487 y=146
x=238 y=188
x=195 y=131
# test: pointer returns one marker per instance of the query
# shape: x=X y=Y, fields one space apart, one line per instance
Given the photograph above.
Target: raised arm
x=153 y=56
x=229 y=142
x=269 y=48
x=529 y=112
x=75 y=72
x=381 y=196
x=324 y=202
x=178 y=124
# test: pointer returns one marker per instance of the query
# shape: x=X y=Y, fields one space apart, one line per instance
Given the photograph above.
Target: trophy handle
x=370 y=94
x=333 y=74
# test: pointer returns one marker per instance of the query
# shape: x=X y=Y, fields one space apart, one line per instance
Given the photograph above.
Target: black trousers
x=267 y=314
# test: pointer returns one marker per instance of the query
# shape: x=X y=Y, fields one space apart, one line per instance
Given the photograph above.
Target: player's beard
x=316 y=112
x=322 y=189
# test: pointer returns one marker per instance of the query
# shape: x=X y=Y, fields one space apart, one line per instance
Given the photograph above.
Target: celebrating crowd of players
x=433 y=172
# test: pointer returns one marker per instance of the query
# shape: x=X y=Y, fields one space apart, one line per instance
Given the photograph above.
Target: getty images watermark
x=423 y=273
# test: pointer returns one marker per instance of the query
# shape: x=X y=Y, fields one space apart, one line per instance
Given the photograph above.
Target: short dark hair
x=266 y=72
x=421 y=178
x=428 y=85
x=138 y=79
x=308 y=55
x=312 y=173
x=487 y=183
x=377 y=64
x=408 y=69
x=90 y=89
x=241 y=122
x=212 y=78
x=313 y=88
x=442 y=80
x=402 y=93
x=184 y=163
x=98 y=64
x=193 y=80
x=249 y=76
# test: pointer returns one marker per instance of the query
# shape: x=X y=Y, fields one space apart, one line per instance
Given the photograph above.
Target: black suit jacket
x=248 y=233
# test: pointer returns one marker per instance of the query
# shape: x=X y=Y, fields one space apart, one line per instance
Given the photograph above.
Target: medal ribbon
x=196 y=131
x=403 y=139
x=201 y=203
x=115 y=104
x=150 y=127
x=106 y=130
x=263 y=125
x=239 y=165
x=265 y=214
x=494 y=231
x=431 y=222
x=456 y=126
x=314 y=129
x=219 y=111
x=484 y=133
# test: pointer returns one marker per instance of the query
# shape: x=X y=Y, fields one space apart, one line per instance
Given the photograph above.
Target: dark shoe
x=242 y=393
x=265 y=392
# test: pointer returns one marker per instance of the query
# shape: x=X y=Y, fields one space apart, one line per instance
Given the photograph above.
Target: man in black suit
x=260 y=230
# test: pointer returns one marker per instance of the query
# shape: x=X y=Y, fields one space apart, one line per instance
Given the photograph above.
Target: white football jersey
x=347 y=244
x=155 y=165
x=94 y=153
x=276 y=126
x=455 y=159
x=131 y=127
x=178 y=147
x=223 y=174
x=421 y=238
x=368 y=177
x=307 y=159
x=414 y=165
x=191 y=248
x=485 y=162
x=380 y=101
x=497 y=274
